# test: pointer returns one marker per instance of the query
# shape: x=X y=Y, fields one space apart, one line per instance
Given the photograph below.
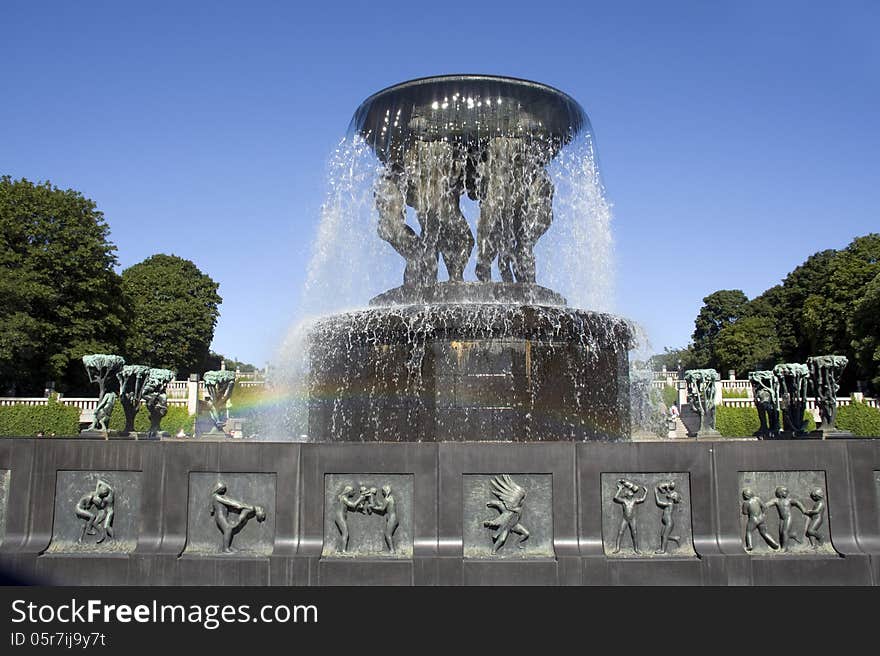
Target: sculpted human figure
x=667 y=519
x=536 y=220
x=629 y=495
x=103 y=369
x=496 y=192
x=390 y=200
x=783 y=503
x=516 y=207
x=825 y=373
x=815 y=518
x=155 y=398
x=765 y=389
x=132 y=379
x=435 y=174
x=388 y=508
x=430 y=180
x=345 y=501
x=231 y=515
x=510 y=508
x=792 y=379
x=219 y=386
x=96 y=508
x=103 y=411
x=701 y=395
x=753 y=508
x=368 y=494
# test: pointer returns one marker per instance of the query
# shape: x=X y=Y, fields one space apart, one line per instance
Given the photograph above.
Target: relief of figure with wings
x=510 y=508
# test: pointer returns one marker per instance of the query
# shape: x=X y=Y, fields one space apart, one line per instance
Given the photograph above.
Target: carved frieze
x=231 y=514
x=96 y=511
x=508 y=515
x=647 y=515
x=368 y=515
x=784 y=513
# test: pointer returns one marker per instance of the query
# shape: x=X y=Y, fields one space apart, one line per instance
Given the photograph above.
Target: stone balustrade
x=86 y=405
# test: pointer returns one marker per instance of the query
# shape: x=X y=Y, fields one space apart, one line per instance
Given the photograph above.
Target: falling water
x=647 y=410
x=350 y=263
x=578 y=251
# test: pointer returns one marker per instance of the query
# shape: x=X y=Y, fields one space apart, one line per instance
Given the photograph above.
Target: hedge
x=247 y=396
x=178 y=417
x=734 y=393
x=254 y=404
x=860 y=419
x=744 y=422
x=670 y=395
x=27 y=420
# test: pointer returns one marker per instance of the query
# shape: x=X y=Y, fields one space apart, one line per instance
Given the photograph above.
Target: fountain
x=521 y=397
x=457 y=360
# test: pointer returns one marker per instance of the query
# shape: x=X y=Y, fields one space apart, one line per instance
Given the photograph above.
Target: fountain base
x=446 y=293
x=469 y=372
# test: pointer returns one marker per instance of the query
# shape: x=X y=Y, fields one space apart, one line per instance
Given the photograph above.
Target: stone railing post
x=192 y=394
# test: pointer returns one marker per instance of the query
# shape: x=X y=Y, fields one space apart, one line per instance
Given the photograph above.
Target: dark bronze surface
x=465 y=108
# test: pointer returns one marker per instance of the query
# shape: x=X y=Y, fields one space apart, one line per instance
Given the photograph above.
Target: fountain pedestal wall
x=469 y=372
x=164 y=534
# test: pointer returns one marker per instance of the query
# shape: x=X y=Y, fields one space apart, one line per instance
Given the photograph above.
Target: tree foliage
x=720 y=309
x=830 y=304
x=828 y=311
x=59 y=294
x=674 y=359
x=744 y=422
x=174 y=309
x=784 y=304
x=864 y=326
x=669 y=395
x=747 y=345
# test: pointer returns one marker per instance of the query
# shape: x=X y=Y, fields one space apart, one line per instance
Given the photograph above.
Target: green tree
x=747 y=345
x=865 y=330
x=174 y=309
x=769 y=305
x=830 y=304
x=785 y=304
x=670 y=358
x=828 y=311
x=720 y=309
x=59 y=294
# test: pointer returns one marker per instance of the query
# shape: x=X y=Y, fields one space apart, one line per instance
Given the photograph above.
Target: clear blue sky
x=735 y=139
